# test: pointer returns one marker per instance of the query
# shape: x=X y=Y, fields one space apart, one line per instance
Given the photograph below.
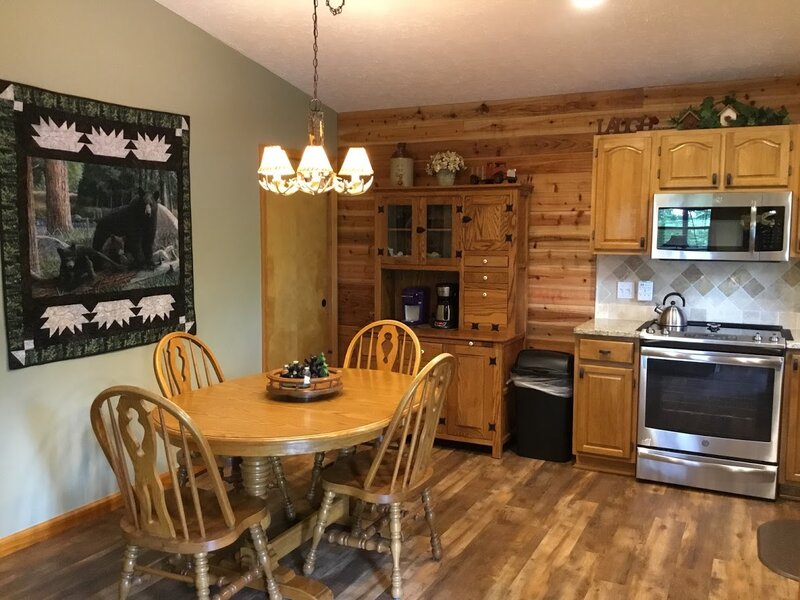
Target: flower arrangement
x=445 y=161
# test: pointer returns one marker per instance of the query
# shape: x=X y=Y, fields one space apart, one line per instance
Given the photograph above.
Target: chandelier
x=315 y=174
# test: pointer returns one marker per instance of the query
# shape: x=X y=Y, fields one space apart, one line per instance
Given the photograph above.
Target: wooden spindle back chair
x=183 y=362
x=385 y=345
x=130 y=424
x=399 y=470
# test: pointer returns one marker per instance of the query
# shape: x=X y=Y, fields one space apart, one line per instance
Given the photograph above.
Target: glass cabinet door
x=399 y=235
x=440 y=231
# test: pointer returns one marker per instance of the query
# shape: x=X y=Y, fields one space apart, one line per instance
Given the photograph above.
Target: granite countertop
x=612 y=327
x=795 y=343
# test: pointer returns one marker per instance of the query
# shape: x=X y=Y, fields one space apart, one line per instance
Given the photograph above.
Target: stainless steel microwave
x=748 y=226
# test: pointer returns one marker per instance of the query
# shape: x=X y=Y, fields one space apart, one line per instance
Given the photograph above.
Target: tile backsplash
x=751 y=292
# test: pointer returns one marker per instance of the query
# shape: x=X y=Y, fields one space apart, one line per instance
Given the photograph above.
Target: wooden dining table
x=239 y=418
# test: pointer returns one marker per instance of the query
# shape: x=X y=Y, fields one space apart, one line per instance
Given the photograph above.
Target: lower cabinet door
x=470 y=400
x=790 y=426
x=603 y=411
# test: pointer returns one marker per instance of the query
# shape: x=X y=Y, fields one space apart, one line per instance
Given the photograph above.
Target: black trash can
x=542 y=382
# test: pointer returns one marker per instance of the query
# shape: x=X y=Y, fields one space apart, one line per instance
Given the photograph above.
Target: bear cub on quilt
x=136 y=224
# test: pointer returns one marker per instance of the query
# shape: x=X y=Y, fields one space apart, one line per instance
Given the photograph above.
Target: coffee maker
x=446 y=316
x=415 y=305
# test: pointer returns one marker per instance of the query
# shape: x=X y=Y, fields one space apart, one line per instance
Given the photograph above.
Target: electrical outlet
x=625 y=290
x=644 y=292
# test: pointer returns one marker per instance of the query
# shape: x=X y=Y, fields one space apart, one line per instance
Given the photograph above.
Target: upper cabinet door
x=690 y=160
x=488 y=221
x=757 y=157
x=398 y=239
x=439 y=232
x=621 y=193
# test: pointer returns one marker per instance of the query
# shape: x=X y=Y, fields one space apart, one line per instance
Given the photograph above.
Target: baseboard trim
x=52 y=527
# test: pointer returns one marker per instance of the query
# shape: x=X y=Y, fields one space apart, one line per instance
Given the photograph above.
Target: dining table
x=240 y=418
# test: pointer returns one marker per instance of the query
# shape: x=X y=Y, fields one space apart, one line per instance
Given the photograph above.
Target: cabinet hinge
x=790 y=170
x=592 y=233
x=509 y=237
x=659 y=150
x=474 y=325
x=634 y=383
x=580 y=373
x=380 y=251
x=595 y=152
x=459 y=208
x=658 y=174
x=442 y=421
x=495 y=326
x=791 y=145
x=794 y=364
x=492 y=426
x=380 y=209
x=493 y=361
x=509 y=208
x=458 y=253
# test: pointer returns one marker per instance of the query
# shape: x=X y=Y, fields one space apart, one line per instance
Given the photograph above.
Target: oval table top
x=239 y=418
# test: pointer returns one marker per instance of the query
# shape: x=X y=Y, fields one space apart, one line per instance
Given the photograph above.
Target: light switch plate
x=644 y=292
x=625 y=290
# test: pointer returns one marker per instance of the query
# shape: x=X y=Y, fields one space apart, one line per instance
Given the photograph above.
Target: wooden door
x=397 y=235
x=690 y=160
x=757 y=157
x=621 y=185
x=470 y=400
x=440 y=230
x=790 y=428
x=297 y=274
x=488 y=221
x=603 y=411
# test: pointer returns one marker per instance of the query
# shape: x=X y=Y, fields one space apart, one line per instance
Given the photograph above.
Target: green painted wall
x=140 y=54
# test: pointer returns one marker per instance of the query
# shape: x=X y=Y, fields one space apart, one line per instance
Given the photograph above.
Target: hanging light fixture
x=315 y=174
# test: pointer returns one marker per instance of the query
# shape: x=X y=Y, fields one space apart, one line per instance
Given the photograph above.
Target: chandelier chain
x=315 y=62
x=335 y=10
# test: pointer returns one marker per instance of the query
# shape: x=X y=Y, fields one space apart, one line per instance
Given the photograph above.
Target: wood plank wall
x=547 y=138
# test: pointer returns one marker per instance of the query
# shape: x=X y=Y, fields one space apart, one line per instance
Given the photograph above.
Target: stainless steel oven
x=709 y=408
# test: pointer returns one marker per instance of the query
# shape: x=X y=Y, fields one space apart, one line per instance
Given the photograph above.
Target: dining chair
x=399 y=470
x=130 y=426
x=385 y=345
x=183 y=362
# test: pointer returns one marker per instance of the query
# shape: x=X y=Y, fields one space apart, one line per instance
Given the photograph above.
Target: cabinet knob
x=486 y=261
x=728 y=179
x=470 y=343
x=422 y=350
x=486 y=278
x=420 y=230
x=485 y=294
x=714 y=179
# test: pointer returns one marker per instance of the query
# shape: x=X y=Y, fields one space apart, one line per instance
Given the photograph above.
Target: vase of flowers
x=445 y=165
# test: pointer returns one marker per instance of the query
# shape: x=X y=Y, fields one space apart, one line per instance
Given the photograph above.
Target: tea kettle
x=671 y=316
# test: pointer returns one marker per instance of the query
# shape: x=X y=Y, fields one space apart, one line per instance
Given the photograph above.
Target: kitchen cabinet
x=789 y=466
x=475 y=237
x=621 y=193
x=605 y=405
x=418 y=230
x=730 y=159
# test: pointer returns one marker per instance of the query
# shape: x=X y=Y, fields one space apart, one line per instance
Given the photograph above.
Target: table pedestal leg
x=255 y=475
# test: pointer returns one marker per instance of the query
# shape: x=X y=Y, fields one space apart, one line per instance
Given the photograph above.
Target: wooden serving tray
x=294 y=390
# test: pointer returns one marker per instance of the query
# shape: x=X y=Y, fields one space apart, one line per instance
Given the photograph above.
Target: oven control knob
x=650 y=330
x=774 y=339
x=665 y=331
x=757 y=337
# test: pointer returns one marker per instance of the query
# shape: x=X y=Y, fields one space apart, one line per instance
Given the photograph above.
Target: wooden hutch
x=474 y=236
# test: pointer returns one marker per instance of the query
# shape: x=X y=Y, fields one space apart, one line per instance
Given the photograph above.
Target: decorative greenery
x=445 y=161
x=748 y=115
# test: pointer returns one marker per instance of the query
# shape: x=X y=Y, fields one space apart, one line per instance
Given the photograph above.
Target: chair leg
x=319 y=529
x=316 y=470
x=396 y=545
x=436 y=543
x=358 y=510
x=260 y=542
x=201 y=576
x=128 y=564
x=280 y=479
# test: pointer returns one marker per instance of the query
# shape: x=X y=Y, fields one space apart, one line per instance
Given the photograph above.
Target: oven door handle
x=704 y=356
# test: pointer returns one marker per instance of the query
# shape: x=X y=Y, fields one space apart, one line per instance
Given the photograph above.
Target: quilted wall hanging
x=96 y=225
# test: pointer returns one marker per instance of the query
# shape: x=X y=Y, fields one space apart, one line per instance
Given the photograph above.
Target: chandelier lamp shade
x=314 y=173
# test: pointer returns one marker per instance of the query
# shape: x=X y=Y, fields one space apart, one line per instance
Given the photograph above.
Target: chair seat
x=247 y=510
x=348 y=476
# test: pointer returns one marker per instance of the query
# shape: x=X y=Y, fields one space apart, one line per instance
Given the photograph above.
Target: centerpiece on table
x=445 y=165
x=312 y=379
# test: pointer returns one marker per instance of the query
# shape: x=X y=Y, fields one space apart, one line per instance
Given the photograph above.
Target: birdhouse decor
x=727 y=116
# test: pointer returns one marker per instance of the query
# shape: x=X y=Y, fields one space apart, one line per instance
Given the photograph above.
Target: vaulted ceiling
x=392 y=53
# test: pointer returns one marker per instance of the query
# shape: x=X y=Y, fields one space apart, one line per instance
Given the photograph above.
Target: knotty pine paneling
x=547 y=138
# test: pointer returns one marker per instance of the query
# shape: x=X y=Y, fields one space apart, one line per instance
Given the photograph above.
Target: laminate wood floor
x=511 y=529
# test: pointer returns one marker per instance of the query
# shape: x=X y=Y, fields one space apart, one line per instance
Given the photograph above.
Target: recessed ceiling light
x=586 y=4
